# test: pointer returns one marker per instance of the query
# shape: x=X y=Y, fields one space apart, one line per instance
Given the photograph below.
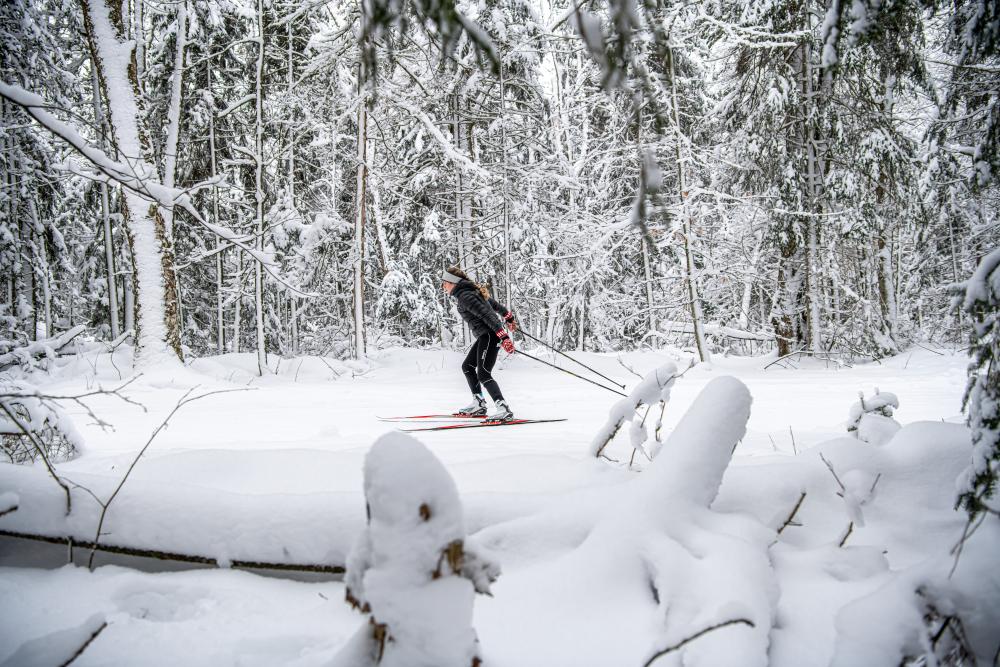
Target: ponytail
x=483 y=290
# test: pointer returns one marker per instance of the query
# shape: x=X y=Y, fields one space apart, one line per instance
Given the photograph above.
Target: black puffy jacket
x=482 y=316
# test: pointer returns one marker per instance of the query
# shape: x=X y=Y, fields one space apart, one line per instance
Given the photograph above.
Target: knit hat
x=449 y=277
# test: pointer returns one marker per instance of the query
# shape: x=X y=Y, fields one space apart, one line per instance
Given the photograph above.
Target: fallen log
x=176 y=557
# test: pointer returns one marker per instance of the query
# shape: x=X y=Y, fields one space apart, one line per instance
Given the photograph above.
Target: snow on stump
x=871 y=419
x=409 y=571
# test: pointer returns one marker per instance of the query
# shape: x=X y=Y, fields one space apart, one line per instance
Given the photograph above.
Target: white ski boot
x=502 y=414
x=475 y=409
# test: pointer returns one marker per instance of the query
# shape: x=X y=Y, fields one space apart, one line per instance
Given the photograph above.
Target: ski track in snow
x=277 y=471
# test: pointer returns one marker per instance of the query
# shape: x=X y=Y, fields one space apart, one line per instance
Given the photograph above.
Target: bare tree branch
x=87 y=643
x=184 y=400
x=788 y=521
x=40 y=448
x=659 y=654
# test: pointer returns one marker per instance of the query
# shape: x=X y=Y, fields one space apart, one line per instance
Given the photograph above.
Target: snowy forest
x=252 y=202
x=736 y=176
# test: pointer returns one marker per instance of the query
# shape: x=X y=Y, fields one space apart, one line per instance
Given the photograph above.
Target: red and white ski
x=483 y=424
x=419 y=418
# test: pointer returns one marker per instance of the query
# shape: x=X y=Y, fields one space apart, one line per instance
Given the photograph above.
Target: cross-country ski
x=483 y=424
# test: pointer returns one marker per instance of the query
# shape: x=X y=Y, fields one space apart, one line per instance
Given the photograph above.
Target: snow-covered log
x=656 y=546
x=37 y=351
x=409 y=571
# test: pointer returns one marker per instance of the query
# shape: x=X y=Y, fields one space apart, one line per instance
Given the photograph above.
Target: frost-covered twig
x=628 y=368
x=791 y=517
x=687 y=640
x=834 y=473
x=850 y=529
x=78 y=398
x=40 y=448
x=654 y=387
x=971 y=526
x=85 y=644
x=184 y=400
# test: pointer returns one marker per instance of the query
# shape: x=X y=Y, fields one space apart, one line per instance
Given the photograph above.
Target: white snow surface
x=602 y=564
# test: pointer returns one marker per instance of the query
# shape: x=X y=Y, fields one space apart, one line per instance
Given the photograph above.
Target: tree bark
x=697 y=318
x=258 y=274
x=109 y=247
x=360 y=201
x=157 y=333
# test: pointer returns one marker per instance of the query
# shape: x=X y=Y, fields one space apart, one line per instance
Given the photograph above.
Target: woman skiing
x=482 y=313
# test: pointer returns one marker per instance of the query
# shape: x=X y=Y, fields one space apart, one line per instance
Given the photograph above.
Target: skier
x=482 y=313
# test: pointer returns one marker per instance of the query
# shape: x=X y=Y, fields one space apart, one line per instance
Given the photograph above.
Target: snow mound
x=673 y=566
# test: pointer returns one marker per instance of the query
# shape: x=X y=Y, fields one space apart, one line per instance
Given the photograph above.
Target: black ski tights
x=478 y=365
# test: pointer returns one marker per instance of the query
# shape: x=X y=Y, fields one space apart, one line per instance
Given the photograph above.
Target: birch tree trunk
x=258 y=274
x=293 y=302
x=128 y=291
x=506 y=209
x=748 y=283
x=697 y=318
x=40 y=263
x=812 y=188
x=220 y=319
x=238 y=302
x=360 y=198
x=26 y=307
x=174 y=114
x=114 y=58
x=109 y=247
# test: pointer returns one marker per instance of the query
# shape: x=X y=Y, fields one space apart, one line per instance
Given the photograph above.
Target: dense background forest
x=291 y=177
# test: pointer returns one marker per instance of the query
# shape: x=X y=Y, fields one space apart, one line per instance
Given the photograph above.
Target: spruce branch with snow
x=979 y=298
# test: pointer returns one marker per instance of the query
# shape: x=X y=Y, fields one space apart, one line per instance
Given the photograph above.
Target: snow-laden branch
x=755 y=38
x=144 y=184
x=459 y=158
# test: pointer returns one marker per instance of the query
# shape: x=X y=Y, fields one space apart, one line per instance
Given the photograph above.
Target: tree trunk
x=220 y=319
x=109 y=247
x=157 y=335
x=813 y=191
x=174 y=113
x=238 y=303
x=258 y=274
x=697 y=318
x=360 y=199
x=504 y=203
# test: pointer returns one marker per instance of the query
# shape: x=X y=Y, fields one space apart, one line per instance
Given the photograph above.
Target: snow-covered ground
x=274 y=473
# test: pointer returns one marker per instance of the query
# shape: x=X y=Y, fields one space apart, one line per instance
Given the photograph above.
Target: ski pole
x=528 y=335
x=558 y=368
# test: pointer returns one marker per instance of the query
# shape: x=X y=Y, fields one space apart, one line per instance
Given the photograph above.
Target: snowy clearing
x=595 y=569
